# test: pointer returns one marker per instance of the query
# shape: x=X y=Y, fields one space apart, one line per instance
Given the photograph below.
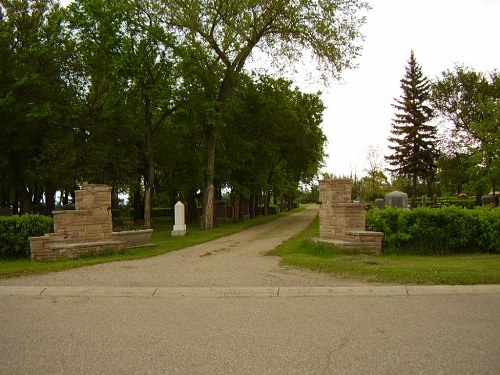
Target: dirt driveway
x=232 y=261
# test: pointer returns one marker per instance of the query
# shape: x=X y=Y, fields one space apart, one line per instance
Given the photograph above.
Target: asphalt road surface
x=195 y=318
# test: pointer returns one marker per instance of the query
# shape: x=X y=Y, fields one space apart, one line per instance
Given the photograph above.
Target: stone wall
x=84 y=230
x=343 y=222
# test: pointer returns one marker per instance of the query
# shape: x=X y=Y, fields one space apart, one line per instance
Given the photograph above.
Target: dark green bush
x=14 y=233
x=455 y=201
x=274 y=209
x=449 y=230
x=162 y=212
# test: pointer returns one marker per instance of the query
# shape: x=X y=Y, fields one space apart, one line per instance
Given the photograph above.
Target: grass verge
x=402 y=269
x=164 y=243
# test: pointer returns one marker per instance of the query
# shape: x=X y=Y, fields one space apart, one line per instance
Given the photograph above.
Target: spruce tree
x=413 y=138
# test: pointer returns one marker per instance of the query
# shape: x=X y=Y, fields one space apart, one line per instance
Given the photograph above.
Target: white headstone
x=179 y=221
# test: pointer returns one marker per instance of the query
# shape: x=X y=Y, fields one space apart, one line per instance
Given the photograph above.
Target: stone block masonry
x=87 y=229
x=342 y=222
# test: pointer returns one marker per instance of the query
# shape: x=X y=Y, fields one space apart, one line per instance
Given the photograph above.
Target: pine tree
x=413 y=139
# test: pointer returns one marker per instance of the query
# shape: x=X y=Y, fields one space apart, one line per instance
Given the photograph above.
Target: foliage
x=36 y=102
x=469 y=104
x=301 y=252
x=227 y=33
x=427 y=231
x=413 y=139
x=161 y=237
x=148 y=96
x=273 y=138
x=15 y=230
x=374 y=184
x=455 y=201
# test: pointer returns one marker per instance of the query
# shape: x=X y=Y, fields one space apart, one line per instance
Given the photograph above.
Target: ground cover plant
x=405 y=269
x=164 y=243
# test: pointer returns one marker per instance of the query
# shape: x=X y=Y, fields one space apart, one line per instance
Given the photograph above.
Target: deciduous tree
x=231 y=31
x=470 y=102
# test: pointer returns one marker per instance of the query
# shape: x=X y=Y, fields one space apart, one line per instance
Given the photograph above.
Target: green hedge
x=14 y=233
x=162 y=212
x=425 y=231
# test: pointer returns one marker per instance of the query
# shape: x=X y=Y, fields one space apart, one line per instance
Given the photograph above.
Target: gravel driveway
x=233 y=261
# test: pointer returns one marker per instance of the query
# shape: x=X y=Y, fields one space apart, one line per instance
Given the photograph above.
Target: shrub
x=15 y=230
x=162 y=212
x=426 y=231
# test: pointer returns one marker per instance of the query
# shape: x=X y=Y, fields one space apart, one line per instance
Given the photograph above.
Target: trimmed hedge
x=427 y=231
x=15 y=230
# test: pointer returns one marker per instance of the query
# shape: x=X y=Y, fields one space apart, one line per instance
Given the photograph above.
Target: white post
x=179 y=221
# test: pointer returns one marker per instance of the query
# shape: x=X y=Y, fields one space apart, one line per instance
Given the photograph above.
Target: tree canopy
x=228 y=33
x=470 y=102
x=153 y=96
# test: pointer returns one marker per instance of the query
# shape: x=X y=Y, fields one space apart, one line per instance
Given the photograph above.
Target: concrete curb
x=248 y=292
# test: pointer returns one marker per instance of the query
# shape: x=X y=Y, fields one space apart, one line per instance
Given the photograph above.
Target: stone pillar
x=337 y=213
x=342 y=222
x=179 y=228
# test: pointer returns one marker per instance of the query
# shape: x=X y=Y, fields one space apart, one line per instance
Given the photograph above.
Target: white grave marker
x=179 y=229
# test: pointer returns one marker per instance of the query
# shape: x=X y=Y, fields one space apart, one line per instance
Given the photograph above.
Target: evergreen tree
x=413 y=139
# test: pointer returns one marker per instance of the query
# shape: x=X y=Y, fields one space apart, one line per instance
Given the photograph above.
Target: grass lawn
x=161 y=238
x=452 y=270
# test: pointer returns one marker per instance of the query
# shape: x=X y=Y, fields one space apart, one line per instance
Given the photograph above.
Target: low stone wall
x=87 y=229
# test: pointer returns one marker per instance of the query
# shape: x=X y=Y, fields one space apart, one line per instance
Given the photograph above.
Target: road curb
x=239 y=292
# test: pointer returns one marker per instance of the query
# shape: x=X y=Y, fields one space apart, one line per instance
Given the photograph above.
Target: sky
x=442 y=33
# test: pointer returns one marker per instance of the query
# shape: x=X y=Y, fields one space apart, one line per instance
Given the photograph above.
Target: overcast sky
x=441 y=33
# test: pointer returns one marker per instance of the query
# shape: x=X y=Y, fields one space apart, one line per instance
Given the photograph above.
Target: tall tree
x=132 y=77
x=470 y=102
x=413 y=139
x=36 y=98
x=230 y=31
x=375 y=184
x=273 y=138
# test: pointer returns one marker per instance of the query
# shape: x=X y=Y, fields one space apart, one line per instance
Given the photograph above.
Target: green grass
x=161 y=238
x=402 y=269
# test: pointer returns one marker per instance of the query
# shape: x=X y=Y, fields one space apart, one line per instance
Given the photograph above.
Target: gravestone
x=379 y=203
x=179 y=228
x=424 y=200
x=396 y=199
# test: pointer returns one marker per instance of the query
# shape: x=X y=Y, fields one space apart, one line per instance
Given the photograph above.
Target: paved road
x=149 y=326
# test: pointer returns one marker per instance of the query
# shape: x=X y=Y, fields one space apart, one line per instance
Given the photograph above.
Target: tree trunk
x=236 y=207
x=138 y=203
x=50 y=199
x=414 y=190
x=148 y=189
x=252 y=205
x=209 y=221
x=191 y=209
x=15 y=204
x=25 y=203
x=267 y=197
x=149 y=180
